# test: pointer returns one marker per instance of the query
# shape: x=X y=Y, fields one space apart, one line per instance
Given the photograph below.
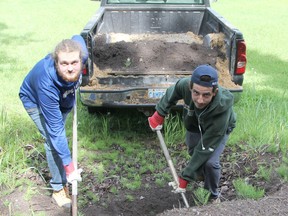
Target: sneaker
x=66 y=189
x=215 y=199
x=62 y=198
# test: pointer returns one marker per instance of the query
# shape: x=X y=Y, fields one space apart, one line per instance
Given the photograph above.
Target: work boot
x=66 y=189
x=62 y=197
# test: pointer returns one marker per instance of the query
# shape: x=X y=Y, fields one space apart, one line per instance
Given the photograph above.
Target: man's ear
x=216 y=91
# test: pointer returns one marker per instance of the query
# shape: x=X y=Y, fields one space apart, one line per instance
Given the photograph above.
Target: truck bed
x=138 y=68
x=137 y=51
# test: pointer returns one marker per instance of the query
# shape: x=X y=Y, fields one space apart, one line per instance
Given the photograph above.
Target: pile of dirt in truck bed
x=156 y=54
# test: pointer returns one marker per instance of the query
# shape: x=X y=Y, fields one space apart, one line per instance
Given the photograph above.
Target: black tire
x=97 y=110
x=85 y=80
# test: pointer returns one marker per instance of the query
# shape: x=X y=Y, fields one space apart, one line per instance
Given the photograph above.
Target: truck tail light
x=241 y=59
x=84 y=70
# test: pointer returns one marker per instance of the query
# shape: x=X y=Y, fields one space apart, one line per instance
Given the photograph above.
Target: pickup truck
x=117 y=24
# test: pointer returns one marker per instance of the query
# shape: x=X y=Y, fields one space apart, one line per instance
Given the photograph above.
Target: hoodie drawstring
x=199 y=126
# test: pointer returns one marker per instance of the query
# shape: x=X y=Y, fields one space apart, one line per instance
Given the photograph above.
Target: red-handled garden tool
x=170 y=163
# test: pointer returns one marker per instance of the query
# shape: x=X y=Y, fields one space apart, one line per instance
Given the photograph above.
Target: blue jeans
x=54 y=161
x=211 y=170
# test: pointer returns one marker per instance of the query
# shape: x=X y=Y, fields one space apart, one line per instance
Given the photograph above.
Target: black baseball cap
x=205 y=75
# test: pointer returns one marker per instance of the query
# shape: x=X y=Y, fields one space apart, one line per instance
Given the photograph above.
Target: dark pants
x=211 y=170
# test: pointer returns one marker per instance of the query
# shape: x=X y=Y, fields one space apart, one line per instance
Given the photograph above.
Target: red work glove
x=182 y=184
x=72 y=174
x=181 y=188
x=156 y=121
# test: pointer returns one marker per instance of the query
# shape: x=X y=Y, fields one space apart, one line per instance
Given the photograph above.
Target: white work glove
x=176 y=188
x=74 y=176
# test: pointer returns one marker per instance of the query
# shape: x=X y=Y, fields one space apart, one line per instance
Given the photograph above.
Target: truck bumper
x=130 y=98
x=134 y=97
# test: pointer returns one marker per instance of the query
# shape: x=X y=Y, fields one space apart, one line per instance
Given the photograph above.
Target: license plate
x=156 y=93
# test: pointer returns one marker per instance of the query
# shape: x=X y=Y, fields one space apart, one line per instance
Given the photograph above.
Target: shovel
x=170 y=163
x=74 y=158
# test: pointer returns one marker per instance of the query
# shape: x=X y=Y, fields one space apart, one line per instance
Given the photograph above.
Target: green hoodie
x=214 y=120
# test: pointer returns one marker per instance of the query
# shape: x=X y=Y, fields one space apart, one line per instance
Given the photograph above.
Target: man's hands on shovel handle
x=156 y=121
x=179 y=188
x=72 y=174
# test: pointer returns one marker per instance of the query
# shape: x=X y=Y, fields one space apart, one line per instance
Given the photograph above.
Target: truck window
x=195 y=2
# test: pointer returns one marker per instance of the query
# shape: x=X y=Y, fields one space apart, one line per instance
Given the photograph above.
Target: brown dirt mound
x=153 y=54
x=275 y=204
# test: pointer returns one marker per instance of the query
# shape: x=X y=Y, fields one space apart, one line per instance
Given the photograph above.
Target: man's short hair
x=71 y=45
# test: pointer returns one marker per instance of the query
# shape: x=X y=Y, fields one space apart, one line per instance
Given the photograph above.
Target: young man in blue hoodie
x=48 y=95
x=208 y=118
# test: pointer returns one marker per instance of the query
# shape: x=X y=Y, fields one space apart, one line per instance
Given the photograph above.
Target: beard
x=70 y=77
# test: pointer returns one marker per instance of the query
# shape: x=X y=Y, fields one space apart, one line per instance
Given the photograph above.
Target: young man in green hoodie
x=208 y=118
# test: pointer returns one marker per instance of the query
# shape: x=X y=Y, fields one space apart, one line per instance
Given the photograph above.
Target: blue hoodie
x=42 y=88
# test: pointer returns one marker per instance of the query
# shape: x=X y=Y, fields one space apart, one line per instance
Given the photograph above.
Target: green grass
x=264 y=173
x=282 y=170
x=201 y=196
x=30 y=29
x=256 y=19
x=262 y=110
x=173 y=130
x=245 y=190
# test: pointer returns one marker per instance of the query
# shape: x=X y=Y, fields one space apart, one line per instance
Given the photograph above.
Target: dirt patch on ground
x=155 y=199
x=275 y=204
x=156 y=55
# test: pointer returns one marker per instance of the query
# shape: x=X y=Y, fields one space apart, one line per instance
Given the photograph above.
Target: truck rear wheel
x=85 y=80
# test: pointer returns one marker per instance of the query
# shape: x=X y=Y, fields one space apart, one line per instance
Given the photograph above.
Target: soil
x=158 y=54
x=159 y=200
